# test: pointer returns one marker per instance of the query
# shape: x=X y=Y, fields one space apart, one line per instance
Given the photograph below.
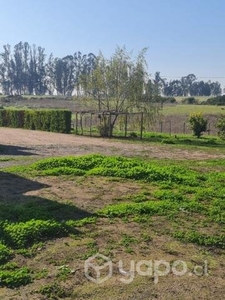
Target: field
x=173 y=120
x=154 y=210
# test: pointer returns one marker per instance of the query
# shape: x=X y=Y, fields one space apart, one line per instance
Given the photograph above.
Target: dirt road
x=38 y=144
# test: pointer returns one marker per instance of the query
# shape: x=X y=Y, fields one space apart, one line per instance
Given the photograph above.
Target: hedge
x=54 y=120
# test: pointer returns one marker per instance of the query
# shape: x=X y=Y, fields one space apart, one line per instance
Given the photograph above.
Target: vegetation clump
x=198 y=124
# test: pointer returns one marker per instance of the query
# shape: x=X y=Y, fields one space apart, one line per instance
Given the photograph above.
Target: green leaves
x=39 y=119
x=198 y=124
x=221 y=126
x=23 y=234
x=5 y=253
x=123 y=167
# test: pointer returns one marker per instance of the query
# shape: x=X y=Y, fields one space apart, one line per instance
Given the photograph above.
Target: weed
x=53 y=291
x=15 y=278
x=5 y=253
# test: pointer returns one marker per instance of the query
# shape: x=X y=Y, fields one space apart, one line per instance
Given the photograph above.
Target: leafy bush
x=198 y=124
x=189 y=100
x=219 y=100
x=221 y=126
x=42 y=119
x=12 y=118
x=104 y=130
x=161 y=99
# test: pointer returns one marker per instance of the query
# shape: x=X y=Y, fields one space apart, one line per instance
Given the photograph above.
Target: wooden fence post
x=91 y=125
x=161 y=127
x=76 y=125
x=142 y=119
x=81 y=124
x=125 y=125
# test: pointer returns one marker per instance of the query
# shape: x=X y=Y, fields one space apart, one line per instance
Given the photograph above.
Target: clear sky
x=182 y=36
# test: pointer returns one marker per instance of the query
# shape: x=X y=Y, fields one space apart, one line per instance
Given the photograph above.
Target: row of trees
x=27 y=70
x=187 y=86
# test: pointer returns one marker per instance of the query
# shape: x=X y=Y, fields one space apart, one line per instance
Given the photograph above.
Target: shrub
x=54 y=120
x=189 y=100
x=104 y=130
x=198 y=124
x=221 y=126
x=220 y=100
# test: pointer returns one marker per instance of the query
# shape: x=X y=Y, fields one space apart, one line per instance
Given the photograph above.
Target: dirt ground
x=29 y=145
x=88 y=195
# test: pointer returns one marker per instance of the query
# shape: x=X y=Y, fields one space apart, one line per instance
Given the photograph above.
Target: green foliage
x=5 y=253
x=104 y=130
x=120 y=84
x=63 y=171
x=12 y=118
x=201 y=239
x=221 y=126
x=82 y=222
x=160 y=99
x=129 y=168
x=219 y=100
x=169 y=195
x=42 y=119
x=198 y=124
x=15 y=278
x=133 y=209
x=24 y=234
x=54 y=291
x=64 y=272
x=189 y=100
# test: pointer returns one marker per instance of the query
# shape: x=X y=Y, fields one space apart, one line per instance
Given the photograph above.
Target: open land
x=64 y=198
x=56 y=264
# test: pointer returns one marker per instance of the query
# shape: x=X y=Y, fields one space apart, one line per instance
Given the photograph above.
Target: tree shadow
x=15 y=150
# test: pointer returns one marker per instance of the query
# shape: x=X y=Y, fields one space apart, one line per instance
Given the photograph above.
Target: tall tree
x=6 y=72
x=120 y=84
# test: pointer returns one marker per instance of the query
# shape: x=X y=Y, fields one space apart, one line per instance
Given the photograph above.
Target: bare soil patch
x=121 y=239
x=30 y=145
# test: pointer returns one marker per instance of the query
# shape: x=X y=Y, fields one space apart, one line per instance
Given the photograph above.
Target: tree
x=6 y=72
x=120 y=84
x=221 y=126
x=198 y=124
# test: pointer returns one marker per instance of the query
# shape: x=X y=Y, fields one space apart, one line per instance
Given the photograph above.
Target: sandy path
x=32 y=143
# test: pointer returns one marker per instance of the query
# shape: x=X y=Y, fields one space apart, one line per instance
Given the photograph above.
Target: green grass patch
x=100 y=165
x=187 y=109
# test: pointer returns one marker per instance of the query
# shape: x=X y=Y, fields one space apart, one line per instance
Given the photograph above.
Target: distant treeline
x=186 y=86
x=26 y=70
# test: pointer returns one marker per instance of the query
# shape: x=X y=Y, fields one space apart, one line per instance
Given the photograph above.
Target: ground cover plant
x=46 y=235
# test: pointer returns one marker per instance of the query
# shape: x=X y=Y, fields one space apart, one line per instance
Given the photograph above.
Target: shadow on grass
x=15 y=150
x=17 y=207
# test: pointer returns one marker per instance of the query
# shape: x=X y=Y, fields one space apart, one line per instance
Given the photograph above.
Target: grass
x=199 y=98
x=182 y=109
x=182 y=202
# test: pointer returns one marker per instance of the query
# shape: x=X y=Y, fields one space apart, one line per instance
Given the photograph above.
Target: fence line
x=131 y=125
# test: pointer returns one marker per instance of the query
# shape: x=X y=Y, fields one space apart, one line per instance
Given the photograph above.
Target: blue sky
x=182 y=37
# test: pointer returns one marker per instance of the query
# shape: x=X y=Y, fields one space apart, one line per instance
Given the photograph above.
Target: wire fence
x=132 y=125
